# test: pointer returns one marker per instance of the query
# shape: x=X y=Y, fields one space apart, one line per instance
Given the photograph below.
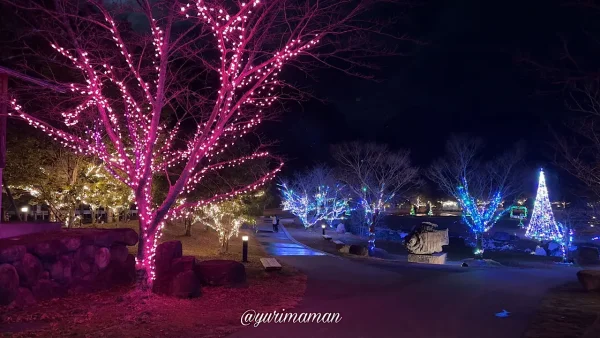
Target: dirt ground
x=124 y=312
x=567 y=312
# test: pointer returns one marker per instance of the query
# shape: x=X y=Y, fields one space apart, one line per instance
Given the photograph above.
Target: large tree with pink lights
x=163 y=88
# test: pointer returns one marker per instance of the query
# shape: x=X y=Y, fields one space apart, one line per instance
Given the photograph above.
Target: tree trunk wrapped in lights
x=479 y=187
x=376 y=176
x=163 y=96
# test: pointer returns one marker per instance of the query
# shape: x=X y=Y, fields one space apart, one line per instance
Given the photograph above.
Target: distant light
x=245 y=238
x=323 y=226
x=25 y=209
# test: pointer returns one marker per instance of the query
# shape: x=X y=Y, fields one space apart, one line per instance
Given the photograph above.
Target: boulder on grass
x=587 y=255
x=47 y=249
x=589 y=279
x=70 y=244
x=24 y=297
x=29 y=269
x=221 y=272
x=12 y=253
x=102 y=258
x=181 y=264
x=358 y=250
x=165 y=254
x=118 y=253
x=185 y=285
x=9 y=284
x=46 y=289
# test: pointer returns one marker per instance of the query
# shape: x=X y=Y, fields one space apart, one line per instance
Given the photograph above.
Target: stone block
x=436 y=258
x=589 y=279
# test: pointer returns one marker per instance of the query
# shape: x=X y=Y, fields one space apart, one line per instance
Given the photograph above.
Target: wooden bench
x=327 y=237
x=270 y=264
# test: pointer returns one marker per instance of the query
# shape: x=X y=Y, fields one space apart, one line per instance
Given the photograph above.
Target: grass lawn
x=124 y=312
x=567 y=311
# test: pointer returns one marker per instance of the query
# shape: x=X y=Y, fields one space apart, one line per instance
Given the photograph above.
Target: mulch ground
x=567 y=312
x=125 y=312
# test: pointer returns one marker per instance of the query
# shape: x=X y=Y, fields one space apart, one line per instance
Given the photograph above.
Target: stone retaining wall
x=49 y=265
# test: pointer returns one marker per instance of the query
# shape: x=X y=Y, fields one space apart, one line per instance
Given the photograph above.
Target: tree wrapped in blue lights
x=314 y=197
x=376 y=175
x=480 y=187
x=542 y=225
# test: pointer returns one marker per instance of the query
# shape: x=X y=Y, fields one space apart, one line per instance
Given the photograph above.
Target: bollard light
x=323 y=227
x=244 y=249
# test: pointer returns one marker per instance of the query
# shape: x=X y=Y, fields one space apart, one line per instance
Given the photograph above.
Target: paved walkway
x=382 y=299
x=280 y=244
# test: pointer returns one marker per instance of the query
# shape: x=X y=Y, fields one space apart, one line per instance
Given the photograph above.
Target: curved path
x=383 y=299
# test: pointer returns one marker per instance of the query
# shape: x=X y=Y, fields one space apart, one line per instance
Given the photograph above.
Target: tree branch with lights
x=376 y=175
x=167 y=98
x=314 y=196
x=480 y=187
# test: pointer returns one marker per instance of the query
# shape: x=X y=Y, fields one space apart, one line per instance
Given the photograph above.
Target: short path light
x=244 y=249
x=323 y=227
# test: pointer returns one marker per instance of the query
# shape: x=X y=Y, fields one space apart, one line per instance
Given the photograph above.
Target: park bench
x=270 y=264
x=338 y=244
x=327 y=237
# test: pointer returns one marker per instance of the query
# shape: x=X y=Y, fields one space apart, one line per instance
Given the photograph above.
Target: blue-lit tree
x=376 y=175
x=314 y=197
x=480 y=187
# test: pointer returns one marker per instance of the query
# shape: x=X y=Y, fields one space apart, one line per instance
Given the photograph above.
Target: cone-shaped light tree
x=542 y=225
x=168 y=91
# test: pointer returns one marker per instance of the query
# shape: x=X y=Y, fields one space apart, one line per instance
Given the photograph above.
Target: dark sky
x=465 y=80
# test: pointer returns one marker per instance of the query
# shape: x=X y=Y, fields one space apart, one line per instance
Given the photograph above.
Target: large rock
x=587 y=255
x=48 y=249
x=165 y=254
x=29 y=269
x=341 y=229
x=70 y=244
x=24 y=297
x=108 y=237
x=181 y=264
x=102 y=258
x=425 y=239
x=221 y=272
x=9 y=284
x=119 y=253
x=46 y=289
x=12 y=253
x=436 y=258
x=539 y=251
x=589 y=279
x=359 y=250
x=185 y=285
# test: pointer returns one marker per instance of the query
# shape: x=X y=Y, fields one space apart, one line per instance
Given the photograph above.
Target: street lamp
x=244 y=249
x=25 y=211
x=323 y=227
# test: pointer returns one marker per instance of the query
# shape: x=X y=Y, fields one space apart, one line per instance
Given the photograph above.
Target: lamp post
x=25 y=211
x=323 y=227
x=245 y=249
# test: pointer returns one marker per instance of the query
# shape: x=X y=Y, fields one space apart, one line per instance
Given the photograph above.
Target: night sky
x=466 y=79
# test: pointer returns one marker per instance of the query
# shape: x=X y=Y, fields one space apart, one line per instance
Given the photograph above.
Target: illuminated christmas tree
x=542 y=225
